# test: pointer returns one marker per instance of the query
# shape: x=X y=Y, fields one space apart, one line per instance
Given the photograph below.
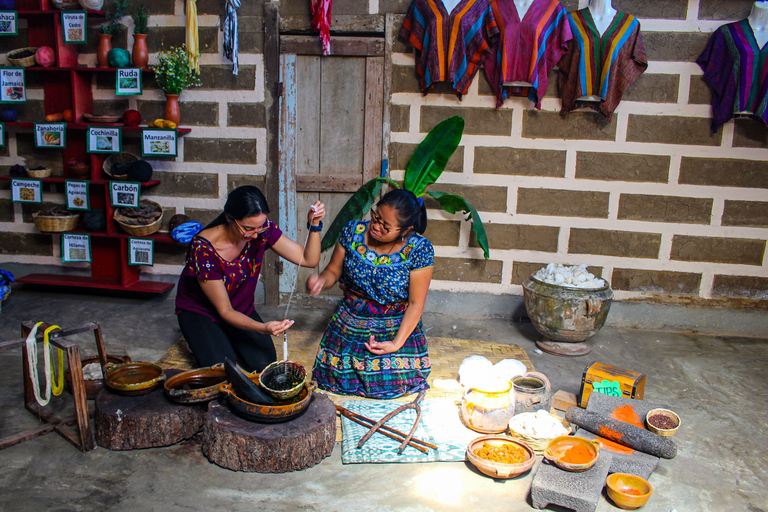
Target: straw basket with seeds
x=23 y=57
x=55 y=220
x=141 y=221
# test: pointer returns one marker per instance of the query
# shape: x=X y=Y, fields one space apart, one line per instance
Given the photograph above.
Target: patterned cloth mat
x=446 y=355
x=440 y=425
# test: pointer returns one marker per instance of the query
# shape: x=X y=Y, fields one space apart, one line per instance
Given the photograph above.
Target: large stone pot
x=566 y=314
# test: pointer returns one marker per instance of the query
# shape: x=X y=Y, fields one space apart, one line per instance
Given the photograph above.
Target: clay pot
x=172 y=112
x=102 y=52
x=140 y=55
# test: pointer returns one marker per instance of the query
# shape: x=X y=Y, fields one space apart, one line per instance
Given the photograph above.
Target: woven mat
x=446 y=355
x=440 y=425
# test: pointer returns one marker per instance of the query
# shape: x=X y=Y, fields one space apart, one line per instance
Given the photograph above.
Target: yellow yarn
x=56 y=387
x=192 y=41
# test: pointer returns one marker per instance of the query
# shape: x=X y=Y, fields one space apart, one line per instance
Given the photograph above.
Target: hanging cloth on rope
x=321 y=21
x=192 y=39
x=230 y=33
x=47 y=365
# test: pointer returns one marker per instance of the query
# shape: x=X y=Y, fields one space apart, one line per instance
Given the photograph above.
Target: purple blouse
x=240 y=275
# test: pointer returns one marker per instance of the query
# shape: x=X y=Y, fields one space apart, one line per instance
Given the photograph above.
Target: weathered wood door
x=331 y=131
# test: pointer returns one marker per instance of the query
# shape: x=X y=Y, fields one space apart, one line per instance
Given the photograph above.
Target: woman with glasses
x=215 y=295
x=374 y=345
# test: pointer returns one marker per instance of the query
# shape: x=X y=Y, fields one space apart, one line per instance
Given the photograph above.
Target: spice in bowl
x=505 y=454
x=662 y=422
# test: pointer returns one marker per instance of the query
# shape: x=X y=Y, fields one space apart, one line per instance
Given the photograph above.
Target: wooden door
x=331 y=132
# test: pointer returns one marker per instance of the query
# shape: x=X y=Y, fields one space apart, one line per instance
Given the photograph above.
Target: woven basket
x=55 y=224
x=118 y=158
x=26 y=61
x=539 y=444
x=139 y=230
x=38 y=173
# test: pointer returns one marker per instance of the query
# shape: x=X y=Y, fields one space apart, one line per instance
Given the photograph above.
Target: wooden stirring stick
x=385 y=430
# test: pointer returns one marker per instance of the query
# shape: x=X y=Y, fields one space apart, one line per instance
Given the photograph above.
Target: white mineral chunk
x=473 y=369
x=92 y=371
x=539 y=424
x=576 y=276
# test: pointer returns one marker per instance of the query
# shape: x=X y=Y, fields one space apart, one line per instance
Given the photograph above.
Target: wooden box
x=609 y=380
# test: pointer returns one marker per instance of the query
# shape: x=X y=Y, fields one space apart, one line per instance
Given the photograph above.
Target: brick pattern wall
x=653 y=201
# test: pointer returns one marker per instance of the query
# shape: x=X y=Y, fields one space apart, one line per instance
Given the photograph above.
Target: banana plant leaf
x=354 y=209
x=431 y=156
x=453 y=203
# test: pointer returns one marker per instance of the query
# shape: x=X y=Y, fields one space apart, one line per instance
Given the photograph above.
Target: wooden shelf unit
x=68 y=86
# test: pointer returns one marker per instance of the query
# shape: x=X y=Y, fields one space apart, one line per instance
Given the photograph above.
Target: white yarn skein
x=33 y=372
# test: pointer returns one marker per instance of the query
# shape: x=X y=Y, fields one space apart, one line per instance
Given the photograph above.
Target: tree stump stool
x=145 y=421
x=235 y=443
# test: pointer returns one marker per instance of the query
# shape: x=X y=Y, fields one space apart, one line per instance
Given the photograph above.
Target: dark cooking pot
x=195 y=386
x=280 y=411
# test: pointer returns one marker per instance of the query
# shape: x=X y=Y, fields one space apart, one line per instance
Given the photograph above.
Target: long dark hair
x=245 y=201
x=410 y=209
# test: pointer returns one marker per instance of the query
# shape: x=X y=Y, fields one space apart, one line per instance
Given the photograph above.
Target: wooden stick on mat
x=411 y=405
x=385 y=430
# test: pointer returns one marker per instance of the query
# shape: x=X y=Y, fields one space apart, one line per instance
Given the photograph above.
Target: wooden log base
x=145 y=421
x=235 y=443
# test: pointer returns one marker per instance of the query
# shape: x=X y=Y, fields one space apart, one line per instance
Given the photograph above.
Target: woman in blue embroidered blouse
x=374 y=345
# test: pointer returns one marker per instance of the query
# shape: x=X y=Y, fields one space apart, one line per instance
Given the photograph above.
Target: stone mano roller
x=245 y=387
x=623 y=433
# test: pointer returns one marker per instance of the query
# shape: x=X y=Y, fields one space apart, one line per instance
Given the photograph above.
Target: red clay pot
x=102 y=52
x=140 y=55
x=172 y=112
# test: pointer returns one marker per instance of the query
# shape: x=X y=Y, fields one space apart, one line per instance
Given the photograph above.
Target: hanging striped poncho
x=321 y=21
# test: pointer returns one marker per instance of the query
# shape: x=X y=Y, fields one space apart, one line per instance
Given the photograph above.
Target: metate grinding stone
x=576 y=491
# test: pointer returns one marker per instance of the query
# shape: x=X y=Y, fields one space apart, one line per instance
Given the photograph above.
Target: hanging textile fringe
x=321 y=21
x=230 y=33
x=192 y=37
x=47 y=365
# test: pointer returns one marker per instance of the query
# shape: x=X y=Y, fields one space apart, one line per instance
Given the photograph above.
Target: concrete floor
x=717 y=384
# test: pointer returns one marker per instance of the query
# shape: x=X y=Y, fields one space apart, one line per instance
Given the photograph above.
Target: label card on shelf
x=124 y=194
x=159 y=142
x=128 y=81
x=141 y=251
x=12 y=88
x=26 y=190
x=9 y=23
x=103 y=139
x=75 y=247
x=50 y=135
x=74 y=25
x=77 y=195
x=2 y=135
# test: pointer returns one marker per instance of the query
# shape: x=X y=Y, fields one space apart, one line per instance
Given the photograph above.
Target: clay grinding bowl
x=628 y=491
x=280 y=411
x=664 y=432
x=560 y=445
x=132 y=379
x=498 y=469
x=93 y=386
x=283 y=379
x=195 y=386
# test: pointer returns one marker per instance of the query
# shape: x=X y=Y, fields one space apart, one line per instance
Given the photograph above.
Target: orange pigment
x=610 y=437
x=627 y=414
x=577 y=454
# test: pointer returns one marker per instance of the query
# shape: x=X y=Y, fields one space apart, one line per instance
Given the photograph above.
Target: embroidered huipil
x=527 y=49
x=734 y=65
x=449 y=46
x=600 y=66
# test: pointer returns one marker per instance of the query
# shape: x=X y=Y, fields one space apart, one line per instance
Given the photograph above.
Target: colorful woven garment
x=345 y=366
x=602 y=66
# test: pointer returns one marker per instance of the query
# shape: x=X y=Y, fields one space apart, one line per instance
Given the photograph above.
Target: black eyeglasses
x=375 y=217
x=248 y=231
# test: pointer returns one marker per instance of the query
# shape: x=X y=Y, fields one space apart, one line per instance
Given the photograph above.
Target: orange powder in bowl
x=578 y=454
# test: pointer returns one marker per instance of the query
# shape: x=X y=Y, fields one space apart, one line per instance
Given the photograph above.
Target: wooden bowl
x=499 y=469
x=90 y=118
x=628 y=491
x=283 y=379
x=93 y=386
x=195 y=386
x=664 y=432
x=132 y=379
x=559 y=446
x=279 y=412
x=79 y=171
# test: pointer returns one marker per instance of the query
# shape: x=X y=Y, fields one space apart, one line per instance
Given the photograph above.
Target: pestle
x=623 y=433
x=245 y=387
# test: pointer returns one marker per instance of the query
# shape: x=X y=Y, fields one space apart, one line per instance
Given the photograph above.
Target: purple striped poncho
x=449 y=46
x=734 y=65
x=527 y=49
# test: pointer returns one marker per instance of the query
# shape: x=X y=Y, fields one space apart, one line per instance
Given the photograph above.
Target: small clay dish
x=279 y=412
x=628 y=491
x=195 y=386
x=90 y=118
x=133 y=379
x=665 y=432
x=559 y=446
x=93 y=386
x=499 y=469
x=283 y=379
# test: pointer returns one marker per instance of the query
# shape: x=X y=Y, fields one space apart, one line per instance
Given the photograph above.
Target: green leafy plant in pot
x=140 y=55
x=175 y=72
x=427 y=163
x=112 y=27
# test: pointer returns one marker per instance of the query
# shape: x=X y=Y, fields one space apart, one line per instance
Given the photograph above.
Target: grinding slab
x=576 y=491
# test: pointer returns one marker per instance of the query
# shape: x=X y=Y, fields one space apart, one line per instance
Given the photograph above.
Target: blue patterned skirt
x=344 y=366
